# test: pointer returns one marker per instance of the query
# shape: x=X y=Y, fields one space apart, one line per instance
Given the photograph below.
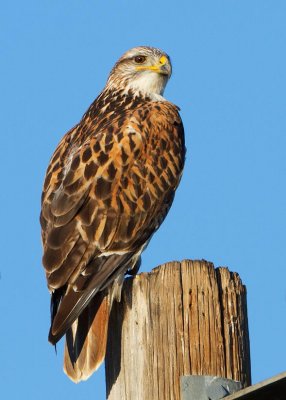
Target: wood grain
x=183 y=318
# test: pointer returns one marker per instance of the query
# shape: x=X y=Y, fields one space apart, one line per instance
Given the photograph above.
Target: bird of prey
x=109 y=185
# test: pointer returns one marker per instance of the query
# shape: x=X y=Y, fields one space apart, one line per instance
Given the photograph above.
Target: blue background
x=229 y=80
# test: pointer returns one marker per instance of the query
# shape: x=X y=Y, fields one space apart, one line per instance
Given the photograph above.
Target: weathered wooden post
x=181 y=319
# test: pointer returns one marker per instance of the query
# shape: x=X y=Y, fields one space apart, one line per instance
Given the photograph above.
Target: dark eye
x=139 y=59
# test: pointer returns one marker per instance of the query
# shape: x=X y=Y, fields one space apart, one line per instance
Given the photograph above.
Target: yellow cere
x=163 y=60
x=155 y=68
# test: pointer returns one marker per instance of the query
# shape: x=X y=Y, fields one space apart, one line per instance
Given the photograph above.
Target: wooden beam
x=271 y=389
x=183 y=318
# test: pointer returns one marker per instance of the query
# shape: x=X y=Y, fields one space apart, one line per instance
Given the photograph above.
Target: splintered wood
x=183 y=318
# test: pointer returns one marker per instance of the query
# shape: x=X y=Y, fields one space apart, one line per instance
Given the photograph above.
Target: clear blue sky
x=229 y=80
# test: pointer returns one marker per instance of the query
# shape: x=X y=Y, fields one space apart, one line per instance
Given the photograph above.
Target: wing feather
x=104 y=197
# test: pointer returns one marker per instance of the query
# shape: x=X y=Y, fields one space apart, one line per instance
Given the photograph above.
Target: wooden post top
x=182 y=318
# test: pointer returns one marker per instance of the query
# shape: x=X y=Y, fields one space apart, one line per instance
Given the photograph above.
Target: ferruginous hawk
x=108 y=188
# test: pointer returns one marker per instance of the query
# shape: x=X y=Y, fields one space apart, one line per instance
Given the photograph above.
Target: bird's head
x=141 y=69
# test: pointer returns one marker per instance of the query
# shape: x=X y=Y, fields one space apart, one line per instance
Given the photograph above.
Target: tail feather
x=86 y=339
x=68 y=303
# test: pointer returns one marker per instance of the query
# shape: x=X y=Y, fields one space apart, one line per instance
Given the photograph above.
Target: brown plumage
x=108 y=187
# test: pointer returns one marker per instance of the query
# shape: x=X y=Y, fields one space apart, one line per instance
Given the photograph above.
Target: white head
x=141 y=69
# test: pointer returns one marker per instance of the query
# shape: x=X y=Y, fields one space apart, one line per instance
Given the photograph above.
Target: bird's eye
x=139 y=59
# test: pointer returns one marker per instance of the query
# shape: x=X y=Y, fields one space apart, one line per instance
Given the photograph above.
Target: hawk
x=108 y=187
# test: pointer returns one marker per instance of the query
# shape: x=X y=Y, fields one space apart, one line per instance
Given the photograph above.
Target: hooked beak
x=162 y=67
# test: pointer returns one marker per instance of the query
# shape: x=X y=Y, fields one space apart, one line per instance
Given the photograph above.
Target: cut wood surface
x=183 y=318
